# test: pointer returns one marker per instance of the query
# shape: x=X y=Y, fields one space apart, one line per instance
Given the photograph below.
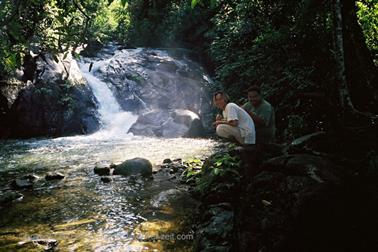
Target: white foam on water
x=115 y=122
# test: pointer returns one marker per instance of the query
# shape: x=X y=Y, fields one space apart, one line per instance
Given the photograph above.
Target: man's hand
x=218 y=117
x=233 y=123
x=259 y=122
x=217 y=122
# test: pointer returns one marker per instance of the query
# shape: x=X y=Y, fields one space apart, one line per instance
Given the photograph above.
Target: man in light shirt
x=234 y=121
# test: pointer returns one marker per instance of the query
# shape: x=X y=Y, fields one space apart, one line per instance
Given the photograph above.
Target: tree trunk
x=345 y=101
x=361 y=73
x=344 y=97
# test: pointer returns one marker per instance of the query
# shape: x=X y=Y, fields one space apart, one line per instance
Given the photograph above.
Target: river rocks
x=54 y=176
x=56 y=102
x=167 y=161
x=168 y=123
x=172 y=166
x=25 y=181
x=106 y=179
x=102 y=171
x=92 y=48
x=40 y=244
x=164 y=197
x=279 y=203
x=135 y=166
x=317 y=168
x=215 y=231
x=9 y=196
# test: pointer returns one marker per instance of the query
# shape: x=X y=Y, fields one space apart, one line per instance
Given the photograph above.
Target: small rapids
x=81 y=212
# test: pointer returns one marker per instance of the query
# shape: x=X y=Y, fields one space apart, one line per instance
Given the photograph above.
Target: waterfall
x=114 y=121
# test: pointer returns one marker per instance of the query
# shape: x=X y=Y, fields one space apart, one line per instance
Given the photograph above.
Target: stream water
x=81 y=212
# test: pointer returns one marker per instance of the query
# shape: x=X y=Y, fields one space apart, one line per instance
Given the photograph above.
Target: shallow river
x=84 y=214
x=81 y=212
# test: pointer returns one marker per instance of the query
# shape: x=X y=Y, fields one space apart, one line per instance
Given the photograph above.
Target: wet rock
x=301 y=141
x=196 y=129
x=112 y=166
x=102 y=171
x=154 y=79
x=191 y=120
x=106 y=179
x=167 y=161
x=25 y=181
x=54 y=176
x=164 y=166
x=92 y=48
x=318 y=142
x=9 y=196
x=174 y=168
x=59 y=101
x=134 y=166
x=317 y=168
x=164 y=197
x=158 y=123
x=183 y=116
x=44 y=244
x=215 y=232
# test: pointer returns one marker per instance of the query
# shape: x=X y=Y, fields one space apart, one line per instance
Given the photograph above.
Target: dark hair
x=254 y=88
x=224 y=94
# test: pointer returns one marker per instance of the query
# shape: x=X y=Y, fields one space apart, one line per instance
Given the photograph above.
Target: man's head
x=254 y=95
x=220 y=99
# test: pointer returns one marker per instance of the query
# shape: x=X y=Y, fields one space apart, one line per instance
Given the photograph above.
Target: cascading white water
x=114 y=121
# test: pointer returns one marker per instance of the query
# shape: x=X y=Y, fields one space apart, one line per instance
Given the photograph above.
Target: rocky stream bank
x=296 y=197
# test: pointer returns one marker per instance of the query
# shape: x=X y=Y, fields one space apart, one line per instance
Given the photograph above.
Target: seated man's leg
x=227 y=131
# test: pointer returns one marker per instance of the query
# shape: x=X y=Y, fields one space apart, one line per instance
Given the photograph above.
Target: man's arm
x=233 y=123
x=256 y=119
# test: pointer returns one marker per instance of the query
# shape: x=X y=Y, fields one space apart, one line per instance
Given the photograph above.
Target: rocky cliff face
x=57 y=101
x=157 y=85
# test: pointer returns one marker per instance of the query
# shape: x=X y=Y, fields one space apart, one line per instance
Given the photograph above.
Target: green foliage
x=168 y=23
x=218 y=172
x=56 y=26
x=368 y=19
x=193 y=167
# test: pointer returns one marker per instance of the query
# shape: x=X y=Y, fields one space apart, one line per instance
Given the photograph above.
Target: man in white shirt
x=235 y=122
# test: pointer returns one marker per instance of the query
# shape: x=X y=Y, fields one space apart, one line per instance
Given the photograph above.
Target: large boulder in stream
x=145 y=80
x=54 y=101
x=165 y=123
x=135 y=166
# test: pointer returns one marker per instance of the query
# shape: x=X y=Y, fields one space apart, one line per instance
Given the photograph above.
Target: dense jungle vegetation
x=316 y=60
